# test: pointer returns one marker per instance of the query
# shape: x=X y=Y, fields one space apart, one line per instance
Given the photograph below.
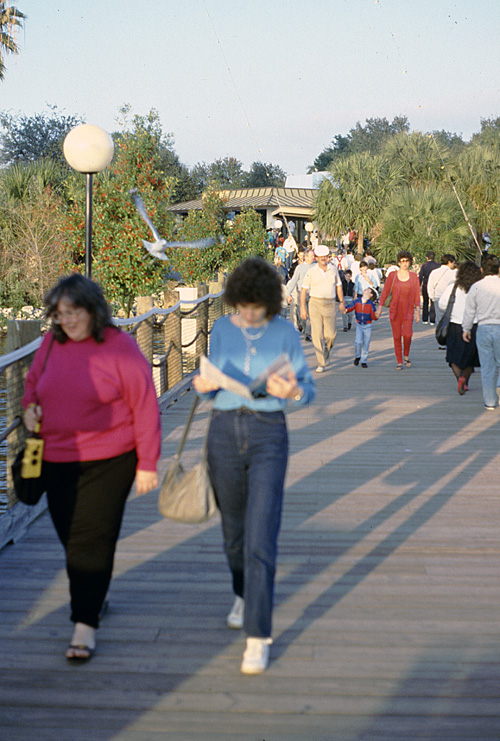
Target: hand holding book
x=277 y=380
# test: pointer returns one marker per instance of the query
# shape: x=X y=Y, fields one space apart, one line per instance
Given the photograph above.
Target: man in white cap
x=324 y=285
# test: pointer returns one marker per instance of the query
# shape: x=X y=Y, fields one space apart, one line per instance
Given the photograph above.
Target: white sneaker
x=235 y=617
x=320 y=369
x=256 y=656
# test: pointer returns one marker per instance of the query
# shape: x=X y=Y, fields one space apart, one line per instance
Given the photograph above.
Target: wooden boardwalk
x=387 y=620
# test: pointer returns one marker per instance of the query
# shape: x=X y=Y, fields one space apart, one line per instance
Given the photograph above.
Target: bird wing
x=158 y=247
x=139 y=204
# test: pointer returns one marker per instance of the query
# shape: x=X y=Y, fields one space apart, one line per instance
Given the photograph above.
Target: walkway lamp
x=309 y=228
x=88 y=149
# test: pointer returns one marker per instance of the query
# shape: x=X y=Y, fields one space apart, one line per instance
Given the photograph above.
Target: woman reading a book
x=248 y=441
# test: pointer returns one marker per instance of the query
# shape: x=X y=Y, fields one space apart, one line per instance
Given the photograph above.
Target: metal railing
x=172 y=338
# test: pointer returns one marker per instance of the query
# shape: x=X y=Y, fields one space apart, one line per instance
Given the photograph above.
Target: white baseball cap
x=321 y=250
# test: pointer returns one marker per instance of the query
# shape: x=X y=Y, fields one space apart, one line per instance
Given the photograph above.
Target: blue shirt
x=231 y=352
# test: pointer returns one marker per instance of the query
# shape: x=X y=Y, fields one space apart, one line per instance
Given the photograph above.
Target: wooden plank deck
x=388 y=589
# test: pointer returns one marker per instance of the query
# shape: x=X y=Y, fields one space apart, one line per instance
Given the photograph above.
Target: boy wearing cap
x=324 y=285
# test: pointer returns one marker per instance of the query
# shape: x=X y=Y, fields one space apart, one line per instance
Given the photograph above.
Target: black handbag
x=27 y=472
x=444 y=322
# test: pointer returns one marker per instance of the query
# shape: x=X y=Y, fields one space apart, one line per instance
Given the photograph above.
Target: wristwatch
x=299 y=396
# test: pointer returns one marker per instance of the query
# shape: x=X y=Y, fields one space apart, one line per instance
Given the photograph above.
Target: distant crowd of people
x=319 y=282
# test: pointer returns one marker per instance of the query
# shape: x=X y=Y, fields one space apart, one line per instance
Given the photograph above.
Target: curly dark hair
x=255 y=281
x=405 y=254
x=82 y=293
x=467 y=274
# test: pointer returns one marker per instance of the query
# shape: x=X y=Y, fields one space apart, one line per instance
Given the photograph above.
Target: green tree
x=121 y=263
x=476 y=176
x=338 y=148
x=17 y=181
x=34 y=252
x=29 y=138
x=373 y=136
x=185 y=186
x=355 y=194
x=418 y=157
x=222 y=173
x=447 y=140
x=421 y=219
x=368 y=138
x=10 y=19
x=245 y=237
x=264 y=175
x=489 y=134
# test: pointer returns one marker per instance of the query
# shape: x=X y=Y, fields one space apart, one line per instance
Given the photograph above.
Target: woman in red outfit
x=91 y=390
x=404 y=288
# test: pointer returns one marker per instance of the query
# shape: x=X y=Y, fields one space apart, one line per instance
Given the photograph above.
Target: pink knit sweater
x=98 y=400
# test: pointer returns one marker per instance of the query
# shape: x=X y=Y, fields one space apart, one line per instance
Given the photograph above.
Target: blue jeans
x=488 y=346
x=362 y=341
x=247 y=458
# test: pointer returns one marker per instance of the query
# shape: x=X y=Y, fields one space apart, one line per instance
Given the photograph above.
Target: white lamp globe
x=278 y=224
x=88 y=148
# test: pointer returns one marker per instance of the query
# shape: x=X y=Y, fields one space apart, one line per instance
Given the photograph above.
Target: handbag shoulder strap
x=45 y=360
x=451 y=300
x=187 y=427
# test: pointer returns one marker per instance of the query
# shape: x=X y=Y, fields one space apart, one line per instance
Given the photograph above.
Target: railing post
x=145 y=331
x=216 y=305
x=172 y=335
x=202 y=324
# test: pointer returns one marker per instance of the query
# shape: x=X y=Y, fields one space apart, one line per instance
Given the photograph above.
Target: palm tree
x=20 y=182
x=10 y=17
x=421 y=158
x=419 y=219
x=355 y=194
x=477 y=179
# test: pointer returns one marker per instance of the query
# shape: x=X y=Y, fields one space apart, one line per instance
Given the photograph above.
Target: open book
x=254 y=390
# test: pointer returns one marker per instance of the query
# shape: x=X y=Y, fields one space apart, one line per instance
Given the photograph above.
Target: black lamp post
x=88 y=149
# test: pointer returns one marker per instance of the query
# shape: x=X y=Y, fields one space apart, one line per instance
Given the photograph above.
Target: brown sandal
x=407 y=362
x=399 y=366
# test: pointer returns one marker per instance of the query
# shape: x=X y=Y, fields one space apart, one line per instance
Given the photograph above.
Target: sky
x=262 y=80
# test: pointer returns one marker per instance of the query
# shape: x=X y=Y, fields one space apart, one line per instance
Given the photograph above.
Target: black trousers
x=86 y=504
x=428 y=309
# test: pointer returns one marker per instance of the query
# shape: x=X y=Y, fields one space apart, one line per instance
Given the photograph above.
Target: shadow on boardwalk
x=388 y=587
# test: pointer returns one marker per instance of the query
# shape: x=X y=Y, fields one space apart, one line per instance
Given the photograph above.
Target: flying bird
x=158 y=247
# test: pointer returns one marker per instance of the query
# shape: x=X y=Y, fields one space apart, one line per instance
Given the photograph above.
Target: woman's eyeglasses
x=61 y=316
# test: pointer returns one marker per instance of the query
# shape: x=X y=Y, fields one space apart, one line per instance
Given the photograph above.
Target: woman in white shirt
x=462 y=357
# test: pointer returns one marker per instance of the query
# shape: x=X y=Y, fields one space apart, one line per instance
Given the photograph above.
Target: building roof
x=280 y=198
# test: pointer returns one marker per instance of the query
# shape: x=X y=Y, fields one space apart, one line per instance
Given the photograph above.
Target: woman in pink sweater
x=91 y=390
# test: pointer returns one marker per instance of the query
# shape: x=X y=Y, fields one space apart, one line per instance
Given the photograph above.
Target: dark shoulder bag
x=444 y=322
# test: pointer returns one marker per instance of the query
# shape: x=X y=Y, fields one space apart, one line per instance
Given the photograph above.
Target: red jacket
x=393 y=286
